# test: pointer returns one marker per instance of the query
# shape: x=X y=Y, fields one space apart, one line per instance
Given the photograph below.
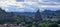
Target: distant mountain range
x=46 y=12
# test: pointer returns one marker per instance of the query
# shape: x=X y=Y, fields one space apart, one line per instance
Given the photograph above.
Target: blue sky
x=29 y=5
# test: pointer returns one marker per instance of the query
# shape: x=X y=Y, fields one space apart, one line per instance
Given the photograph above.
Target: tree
x=33 y=26
x=48 y=24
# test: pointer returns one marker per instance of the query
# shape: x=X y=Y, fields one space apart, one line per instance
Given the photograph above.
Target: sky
x=29 y=5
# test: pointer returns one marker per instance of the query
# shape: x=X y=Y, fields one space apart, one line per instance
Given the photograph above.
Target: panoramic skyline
x=29 y=5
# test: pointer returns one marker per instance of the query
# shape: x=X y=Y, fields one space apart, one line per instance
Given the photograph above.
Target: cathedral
x=38 y=16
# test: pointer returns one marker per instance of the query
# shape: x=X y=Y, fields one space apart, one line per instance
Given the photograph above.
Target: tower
x=38 y=16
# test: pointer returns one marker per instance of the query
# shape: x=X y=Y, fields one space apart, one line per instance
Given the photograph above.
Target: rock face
x=38 y=16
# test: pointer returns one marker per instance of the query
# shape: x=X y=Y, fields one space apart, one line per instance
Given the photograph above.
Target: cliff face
x=38 y=16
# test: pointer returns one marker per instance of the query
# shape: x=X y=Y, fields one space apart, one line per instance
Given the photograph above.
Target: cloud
x=28 y=5
x=14 y=9
x=20 y=0
x=40 y=0
x=31 y=1
x=14 y=6
x=51 y=0
x=6 y=3
x=49 y=4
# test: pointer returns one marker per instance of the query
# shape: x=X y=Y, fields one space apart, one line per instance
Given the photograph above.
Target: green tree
x=48 y=24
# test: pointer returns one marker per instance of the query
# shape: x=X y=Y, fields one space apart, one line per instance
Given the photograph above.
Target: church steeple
x=38 y=15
